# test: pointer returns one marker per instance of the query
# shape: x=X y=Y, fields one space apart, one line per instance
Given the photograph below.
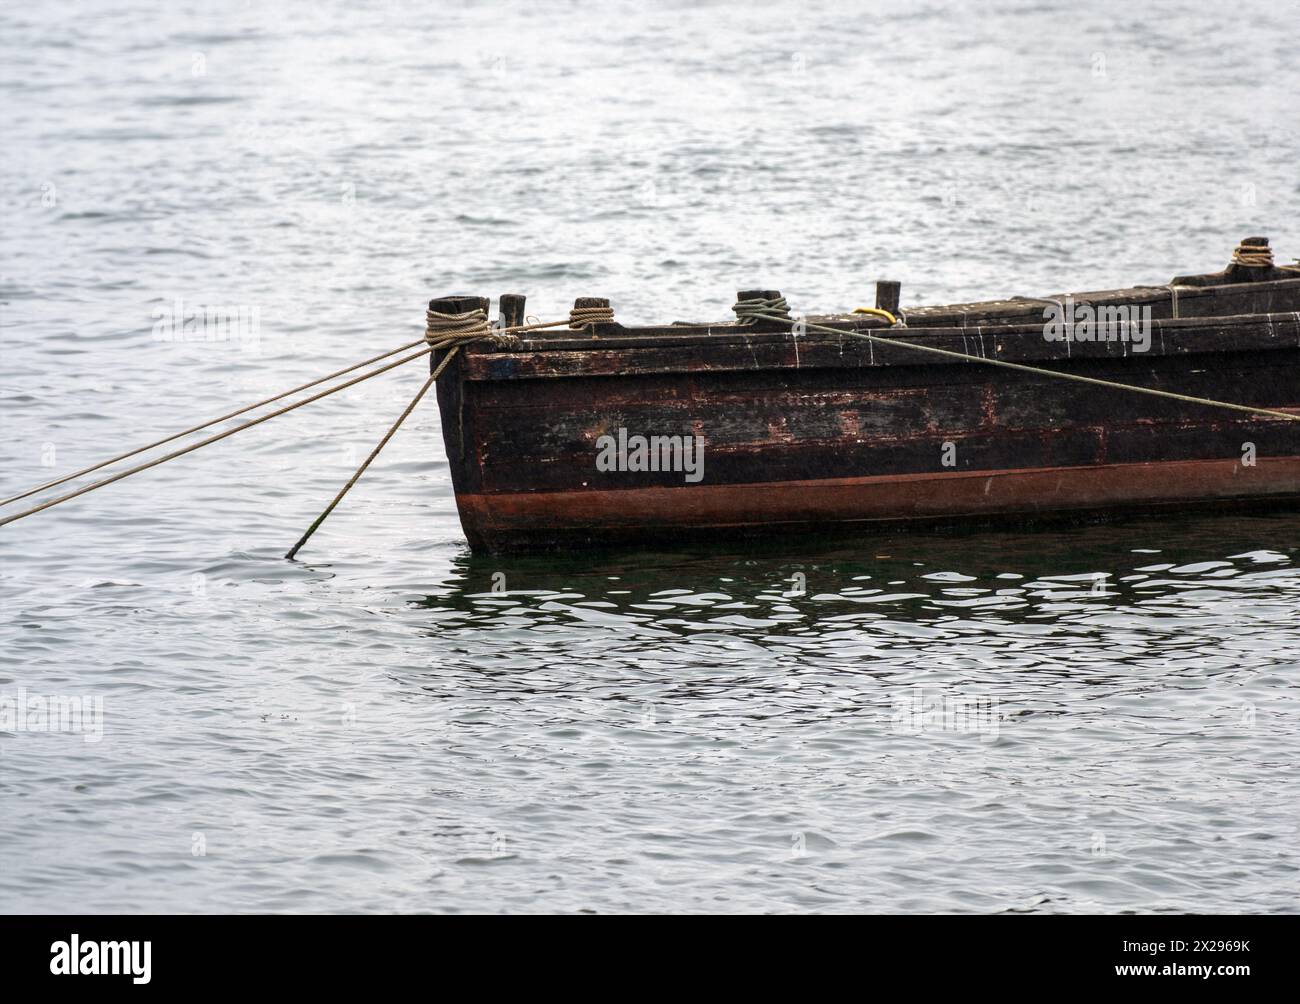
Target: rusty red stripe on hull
x=510 y=519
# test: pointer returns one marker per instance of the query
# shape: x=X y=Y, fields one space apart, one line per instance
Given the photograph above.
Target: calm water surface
x=1080 y=719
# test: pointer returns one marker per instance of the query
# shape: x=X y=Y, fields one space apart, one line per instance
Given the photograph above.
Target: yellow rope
x=877 y=312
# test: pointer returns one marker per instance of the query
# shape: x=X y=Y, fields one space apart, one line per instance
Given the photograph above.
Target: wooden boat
x=809 y=430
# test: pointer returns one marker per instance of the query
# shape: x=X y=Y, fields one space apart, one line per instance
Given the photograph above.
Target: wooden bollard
x=762 y=323
x=592 y=303
x=1248 y=273
x=1234 y=272
x=458 y=303
x=888 y=294
x=511 y=309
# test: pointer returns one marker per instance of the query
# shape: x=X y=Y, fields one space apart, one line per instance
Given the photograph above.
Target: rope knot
x=580 y=317
x=749 y=311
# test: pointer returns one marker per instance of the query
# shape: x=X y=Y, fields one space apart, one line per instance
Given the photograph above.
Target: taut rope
x=212 y=439
x=197 y=428
x=1037 y=371
x=373 y=453
x=442 y=331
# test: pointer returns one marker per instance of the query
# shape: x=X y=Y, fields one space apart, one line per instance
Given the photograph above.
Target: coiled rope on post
x=1259 y=256
x=1037 y=371
x=469 y=326
x=451 y=331
x=749 y=311
x=1253 y=256
x=580 y=317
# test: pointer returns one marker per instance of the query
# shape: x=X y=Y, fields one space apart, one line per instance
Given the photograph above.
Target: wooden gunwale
x=730 y=348
x=1011 y=314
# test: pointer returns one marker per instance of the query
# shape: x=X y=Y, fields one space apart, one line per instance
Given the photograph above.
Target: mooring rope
x=198 y=428
x=471 y=325
x=442 y=331
x=433 y=332
x=437 y=372
x=1037 y=371
x=580 y=317
x=213 y=439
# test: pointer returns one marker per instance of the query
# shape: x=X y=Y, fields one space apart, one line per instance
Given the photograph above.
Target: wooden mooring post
x=888 y=293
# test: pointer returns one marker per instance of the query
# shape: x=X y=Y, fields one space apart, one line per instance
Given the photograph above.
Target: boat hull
x=834 y=435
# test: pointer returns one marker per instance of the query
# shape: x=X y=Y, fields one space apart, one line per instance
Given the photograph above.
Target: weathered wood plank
x=774 y=350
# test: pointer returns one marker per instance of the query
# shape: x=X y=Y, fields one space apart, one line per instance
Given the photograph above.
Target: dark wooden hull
x=829 y=433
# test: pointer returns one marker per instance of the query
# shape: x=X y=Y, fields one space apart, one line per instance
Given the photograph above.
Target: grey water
x=1081 y=719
